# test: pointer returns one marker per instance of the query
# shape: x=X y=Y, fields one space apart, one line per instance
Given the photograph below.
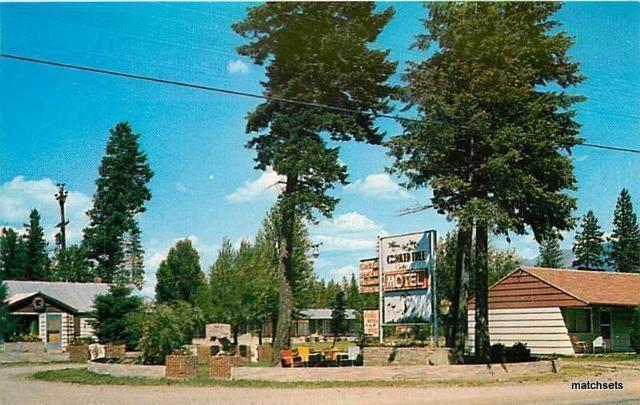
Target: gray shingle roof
x=324 y=313
x=77 y=295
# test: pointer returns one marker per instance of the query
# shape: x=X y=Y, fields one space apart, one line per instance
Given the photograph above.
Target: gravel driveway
x=16 y=389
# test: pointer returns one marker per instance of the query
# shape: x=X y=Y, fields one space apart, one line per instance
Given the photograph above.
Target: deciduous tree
x=179 y=276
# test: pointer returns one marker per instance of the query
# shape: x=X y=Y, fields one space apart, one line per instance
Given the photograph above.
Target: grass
x=34 y=363
x=570 y=370
x=341 y=345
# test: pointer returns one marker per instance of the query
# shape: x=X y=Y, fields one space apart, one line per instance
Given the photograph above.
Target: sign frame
x=430 y=269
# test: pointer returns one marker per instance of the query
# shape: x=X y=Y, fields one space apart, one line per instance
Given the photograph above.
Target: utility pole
x=61 y=196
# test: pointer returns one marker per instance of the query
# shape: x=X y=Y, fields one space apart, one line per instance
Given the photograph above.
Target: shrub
x=110 y=316
x=164 y=329
x=517 y=353
x=497 y=353
x=635 y=331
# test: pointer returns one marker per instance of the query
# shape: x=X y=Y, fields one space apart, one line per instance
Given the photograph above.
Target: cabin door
x=54 y=332
x=605 y=328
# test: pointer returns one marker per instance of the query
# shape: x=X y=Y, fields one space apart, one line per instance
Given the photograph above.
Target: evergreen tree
x=624 y=254
x=353 y=294
x=334 y=64
x=110 y=315
x=72 y=265
x=338 y=316
x=35 y=246
x=550 y=253
x=7 y=322
x=13 y=257
x=495 y=125
x=112 y=238
x=179 y=275
x=588 y=244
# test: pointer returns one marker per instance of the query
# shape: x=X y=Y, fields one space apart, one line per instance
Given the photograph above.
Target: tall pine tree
x=624 y=254
x=335 y=65
x=588 y=244
x=35 y=246
x=112 y=238
x=550 y=253
x=179 y=275
x=494 y=131
x=13 y=259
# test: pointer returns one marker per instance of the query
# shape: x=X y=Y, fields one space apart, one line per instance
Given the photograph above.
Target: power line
x=251 y=95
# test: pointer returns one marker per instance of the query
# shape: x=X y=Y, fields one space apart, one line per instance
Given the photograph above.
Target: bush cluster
x=517 y=353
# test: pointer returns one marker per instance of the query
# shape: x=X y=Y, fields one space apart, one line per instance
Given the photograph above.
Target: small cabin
x=560 y=311
x=56 y=312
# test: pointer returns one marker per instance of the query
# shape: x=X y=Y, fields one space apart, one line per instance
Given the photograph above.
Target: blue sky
x=54 y=124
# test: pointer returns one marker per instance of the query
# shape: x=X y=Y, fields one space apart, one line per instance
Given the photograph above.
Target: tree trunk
x=285 y=307
x=482 y=341
x=459 y=321
x=285 y=272
x=235 y=335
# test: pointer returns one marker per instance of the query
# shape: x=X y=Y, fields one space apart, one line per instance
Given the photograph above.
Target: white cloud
x=381 y=186
x=237 y=66
x=344 y=271
x=19 y=196
x=264 y=187
x=347 y=232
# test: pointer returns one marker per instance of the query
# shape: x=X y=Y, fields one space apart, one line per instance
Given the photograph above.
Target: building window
x=578 y=320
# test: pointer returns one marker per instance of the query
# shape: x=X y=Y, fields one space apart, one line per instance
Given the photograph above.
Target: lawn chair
x=289 y=359
x=579 y=344
x=353 y=352
x=304 y=353
x=599 y=343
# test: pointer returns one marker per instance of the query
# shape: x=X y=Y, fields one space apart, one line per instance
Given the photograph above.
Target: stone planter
x=204 y=352
x=78 y=352
x=114 y=351
x=264 y=352
x=220 y=367
x=405 y=356
x=23 y=347
x=179 y=366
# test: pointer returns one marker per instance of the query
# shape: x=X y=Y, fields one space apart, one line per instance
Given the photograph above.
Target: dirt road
x=16 y=389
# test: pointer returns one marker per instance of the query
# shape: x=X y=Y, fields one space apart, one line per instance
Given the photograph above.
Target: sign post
x=380 y=293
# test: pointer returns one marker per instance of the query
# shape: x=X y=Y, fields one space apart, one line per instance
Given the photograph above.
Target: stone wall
x=264 y=352
x=78 y=352
x=220 y=367
x=126 y=370
x=23 y=347
x=203 y=353
x=405 y=356
x=114 y=351
x=177 y=366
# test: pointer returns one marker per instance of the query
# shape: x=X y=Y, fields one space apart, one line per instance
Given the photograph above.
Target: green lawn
x=569 y=370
